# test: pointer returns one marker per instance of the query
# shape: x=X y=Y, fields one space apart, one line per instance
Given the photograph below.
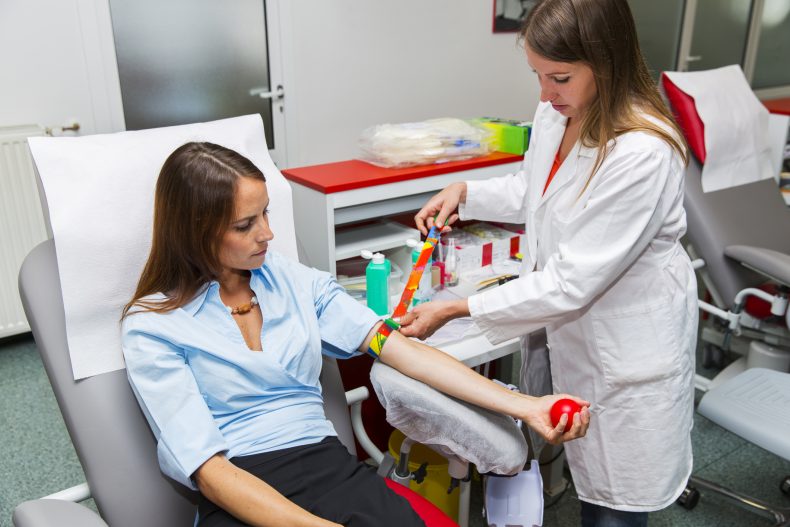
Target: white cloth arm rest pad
x=452 y=427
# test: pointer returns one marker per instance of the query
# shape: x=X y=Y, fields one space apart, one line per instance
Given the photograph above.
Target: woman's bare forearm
x=250 y=499
x=448 y=375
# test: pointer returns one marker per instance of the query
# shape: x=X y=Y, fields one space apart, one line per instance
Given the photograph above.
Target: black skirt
x=325 y=480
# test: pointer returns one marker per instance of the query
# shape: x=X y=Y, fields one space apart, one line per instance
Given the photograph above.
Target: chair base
x=780 y=516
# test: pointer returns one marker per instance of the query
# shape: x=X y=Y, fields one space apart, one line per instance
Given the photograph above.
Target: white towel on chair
x=100 y=192
x=736 y=126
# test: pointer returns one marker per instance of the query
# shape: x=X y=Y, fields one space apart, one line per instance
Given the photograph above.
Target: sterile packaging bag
x=424 y=142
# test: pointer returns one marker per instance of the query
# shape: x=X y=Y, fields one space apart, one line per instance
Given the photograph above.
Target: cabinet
x=330 y=199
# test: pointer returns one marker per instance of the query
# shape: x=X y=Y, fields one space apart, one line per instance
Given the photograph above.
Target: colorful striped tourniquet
x=377 y=344
x=416 y=273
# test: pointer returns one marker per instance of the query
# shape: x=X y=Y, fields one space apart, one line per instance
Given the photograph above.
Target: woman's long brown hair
x=193 y=207
x=602 y=35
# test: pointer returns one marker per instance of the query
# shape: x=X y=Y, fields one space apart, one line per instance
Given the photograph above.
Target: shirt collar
x=212 y=288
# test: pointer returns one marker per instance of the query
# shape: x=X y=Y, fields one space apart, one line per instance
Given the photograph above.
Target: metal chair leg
x=781 y=516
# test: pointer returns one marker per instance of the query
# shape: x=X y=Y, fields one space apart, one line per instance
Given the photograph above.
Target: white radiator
x=21 y=221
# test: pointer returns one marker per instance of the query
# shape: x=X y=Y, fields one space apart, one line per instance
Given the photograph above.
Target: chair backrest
x=751 y=214
x=110 y=434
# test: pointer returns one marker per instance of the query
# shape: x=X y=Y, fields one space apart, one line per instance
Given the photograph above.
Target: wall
x=350 y=64
x=346 y=65
x=58 y=65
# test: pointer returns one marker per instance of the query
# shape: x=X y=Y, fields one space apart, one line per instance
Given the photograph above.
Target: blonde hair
x=602 y=35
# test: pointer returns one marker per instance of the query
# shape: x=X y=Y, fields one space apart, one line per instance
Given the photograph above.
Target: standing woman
x=601 y=193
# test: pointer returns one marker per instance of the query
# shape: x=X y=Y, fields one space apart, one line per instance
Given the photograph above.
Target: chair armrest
x=55 y=513
x=354 y=399
x=772 y=264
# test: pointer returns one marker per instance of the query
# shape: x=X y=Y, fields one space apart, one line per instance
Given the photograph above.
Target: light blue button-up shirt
x=204 y=391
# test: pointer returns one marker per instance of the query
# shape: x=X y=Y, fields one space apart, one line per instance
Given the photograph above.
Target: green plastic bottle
x=377 y=277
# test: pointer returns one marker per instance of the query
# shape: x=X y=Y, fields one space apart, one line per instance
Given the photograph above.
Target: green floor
x=38 y=457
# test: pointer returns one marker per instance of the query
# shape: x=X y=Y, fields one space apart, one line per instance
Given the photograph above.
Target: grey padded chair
x=110 y=434
x=738 y=231
x=741 y=234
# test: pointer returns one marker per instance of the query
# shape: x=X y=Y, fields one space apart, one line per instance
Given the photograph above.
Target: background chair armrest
x=55 y=513
x=773 y=264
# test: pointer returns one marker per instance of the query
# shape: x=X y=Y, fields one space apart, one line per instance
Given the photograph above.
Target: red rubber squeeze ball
x=564 y=406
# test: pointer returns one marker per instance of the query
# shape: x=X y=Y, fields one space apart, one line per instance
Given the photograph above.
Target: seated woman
x=223 y=343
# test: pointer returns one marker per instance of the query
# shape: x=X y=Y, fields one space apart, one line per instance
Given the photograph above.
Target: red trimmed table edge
x=353 y=174
x=781 y=106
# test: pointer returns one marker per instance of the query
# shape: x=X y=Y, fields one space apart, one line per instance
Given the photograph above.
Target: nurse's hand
x=537 y=416
x=424 y=319
x=442 y=206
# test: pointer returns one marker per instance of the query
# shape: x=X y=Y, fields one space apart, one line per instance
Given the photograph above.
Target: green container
x=511 y=137
x=377 y=277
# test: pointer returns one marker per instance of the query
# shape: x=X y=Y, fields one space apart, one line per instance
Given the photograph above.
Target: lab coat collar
x=555 y=129
x=551 y=127
x=588 y=151
x=564 y=175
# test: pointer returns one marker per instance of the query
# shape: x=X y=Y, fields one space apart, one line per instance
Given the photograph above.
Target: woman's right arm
x=249 y=498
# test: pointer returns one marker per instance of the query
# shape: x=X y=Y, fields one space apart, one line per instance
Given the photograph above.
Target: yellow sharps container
x=437 y=480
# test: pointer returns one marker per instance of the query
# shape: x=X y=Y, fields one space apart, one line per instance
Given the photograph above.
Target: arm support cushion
x=490 y=440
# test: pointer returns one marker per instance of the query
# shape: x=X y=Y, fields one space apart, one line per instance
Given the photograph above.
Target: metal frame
x=749 y=58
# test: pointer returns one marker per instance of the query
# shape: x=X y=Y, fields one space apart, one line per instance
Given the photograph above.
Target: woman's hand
x=442 y=206
x=536 y=415
x=424 y=319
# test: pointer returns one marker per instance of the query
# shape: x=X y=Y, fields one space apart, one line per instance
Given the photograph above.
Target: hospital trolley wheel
x=712 y=356
x=785 y=486
x=689 y=498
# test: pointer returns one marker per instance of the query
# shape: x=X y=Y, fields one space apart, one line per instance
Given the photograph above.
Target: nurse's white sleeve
x=497 y=199
x=167 y=392
x=622 y=216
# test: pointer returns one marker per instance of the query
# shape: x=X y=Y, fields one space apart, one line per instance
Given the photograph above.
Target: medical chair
x=113 y=441
x=740 y=237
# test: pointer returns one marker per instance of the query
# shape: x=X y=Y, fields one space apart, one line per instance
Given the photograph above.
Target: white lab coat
x=606 y=275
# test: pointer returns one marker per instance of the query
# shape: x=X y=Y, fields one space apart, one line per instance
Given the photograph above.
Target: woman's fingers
x=569 y=429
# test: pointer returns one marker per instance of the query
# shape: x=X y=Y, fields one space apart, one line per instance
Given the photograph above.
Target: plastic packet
x=424 y=142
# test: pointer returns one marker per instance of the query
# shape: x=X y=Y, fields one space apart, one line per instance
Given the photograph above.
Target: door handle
x=265 y=93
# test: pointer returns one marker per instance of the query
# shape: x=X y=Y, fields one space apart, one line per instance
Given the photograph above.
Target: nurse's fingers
x=406 y=319
x=446 y=215
x=424 y=218
x=419 y=221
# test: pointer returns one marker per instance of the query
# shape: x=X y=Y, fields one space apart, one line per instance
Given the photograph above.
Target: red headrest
x=685 y=111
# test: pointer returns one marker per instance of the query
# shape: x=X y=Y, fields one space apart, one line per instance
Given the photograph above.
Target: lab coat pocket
x=638 y=346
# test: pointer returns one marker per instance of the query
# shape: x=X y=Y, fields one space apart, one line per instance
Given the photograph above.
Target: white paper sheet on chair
x=99 y=190
x=736 y=126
